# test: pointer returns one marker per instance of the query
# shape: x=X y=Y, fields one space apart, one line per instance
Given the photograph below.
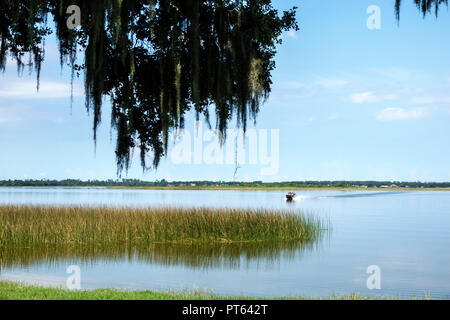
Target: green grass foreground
x=18 y=291
x=100 y=227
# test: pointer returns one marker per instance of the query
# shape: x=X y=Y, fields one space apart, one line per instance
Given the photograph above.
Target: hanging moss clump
x=425 y=6
x=158 y=59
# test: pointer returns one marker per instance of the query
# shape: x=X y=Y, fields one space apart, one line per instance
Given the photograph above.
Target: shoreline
x=221 y=188
x=232 y=188
x=10 y=290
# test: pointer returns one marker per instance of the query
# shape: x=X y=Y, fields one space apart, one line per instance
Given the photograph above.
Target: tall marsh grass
x=100 y=227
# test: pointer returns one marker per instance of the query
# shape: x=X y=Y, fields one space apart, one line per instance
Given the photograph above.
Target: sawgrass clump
x=102 y=227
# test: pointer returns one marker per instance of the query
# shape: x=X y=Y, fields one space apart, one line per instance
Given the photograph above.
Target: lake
x=406 y=234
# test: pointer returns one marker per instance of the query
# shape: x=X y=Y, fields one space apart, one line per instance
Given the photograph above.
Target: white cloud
x=294 y=85
x=333 y=116
x=397 y=75
x=26 y=89
x=20 y=113
x=424 y=100
x=430 y=100
x=292 y=34
x=289 y=34
x=330 y=117
x=320 y=83
x=393 y=114
x=14 y=114
x=331 y=82
x=9 y=118
x=369 y=96
x=362 y=97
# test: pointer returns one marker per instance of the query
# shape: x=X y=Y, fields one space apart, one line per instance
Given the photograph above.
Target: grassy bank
x=82 y=227
x=17 y=291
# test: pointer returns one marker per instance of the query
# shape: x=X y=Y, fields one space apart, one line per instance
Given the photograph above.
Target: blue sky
x=348 y=103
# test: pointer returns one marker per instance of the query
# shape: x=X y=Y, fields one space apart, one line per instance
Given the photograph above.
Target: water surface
x=406 y=234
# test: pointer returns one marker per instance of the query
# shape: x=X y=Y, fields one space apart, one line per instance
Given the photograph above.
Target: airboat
x=290 y=196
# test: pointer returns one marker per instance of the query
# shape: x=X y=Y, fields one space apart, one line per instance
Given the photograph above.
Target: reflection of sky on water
x=405 y=233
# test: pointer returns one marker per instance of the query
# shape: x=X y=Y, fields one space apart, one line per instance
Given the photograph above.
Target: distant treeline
x=164 y=183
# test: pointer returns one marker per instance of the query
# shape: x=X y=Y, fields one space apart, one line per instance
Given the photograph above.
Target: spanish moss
x=156 y=60
x=425 y=6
